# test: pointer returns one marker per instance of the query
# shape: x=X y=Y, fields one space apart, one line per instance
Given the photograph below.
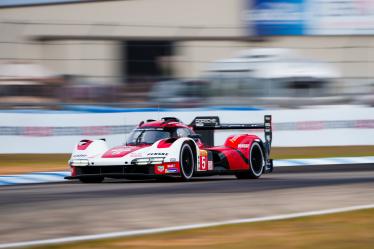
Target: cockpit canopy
x=141 y=136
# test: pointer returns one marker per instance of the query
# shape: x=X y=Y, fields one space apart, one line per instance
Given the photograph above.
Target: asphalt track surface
x=44 y=211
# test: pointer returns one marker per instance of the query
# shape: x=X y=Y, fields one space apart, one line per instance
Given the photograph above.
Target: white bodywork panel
x=92 y=155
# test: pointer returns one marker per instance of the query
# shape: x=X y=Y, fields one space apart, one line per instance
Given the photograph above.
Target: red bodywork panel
x=84 y=144
x=166 y=143
x=73 y=171
x=234 y=158
x=237 y=149
x=163 y=124
x=240 y=142
x=120 y=151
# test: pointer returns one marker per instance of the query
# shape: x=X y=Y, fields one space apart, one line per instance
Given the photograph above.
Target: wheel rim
x=187 y=162
x=256 y=159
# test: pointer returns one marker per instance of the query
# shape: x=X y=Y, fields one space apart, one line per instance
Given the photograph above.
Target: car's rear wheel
x=92 y=179
x=256 y=163
x=187 y=162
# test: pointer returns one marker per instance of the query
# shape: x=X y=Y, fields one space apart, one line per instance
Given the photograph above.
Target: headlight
x=142 y=161
x=150 y=160
x=157 y=160
x=79 y=162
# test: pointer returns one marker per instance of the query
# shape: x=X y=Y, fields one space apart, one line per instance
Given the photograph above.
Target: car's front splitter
x=119 y=171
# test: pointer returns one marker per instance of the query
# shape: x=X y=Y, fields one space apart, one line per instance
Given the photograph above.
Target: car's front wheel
x=187 y=162
x=256 y=163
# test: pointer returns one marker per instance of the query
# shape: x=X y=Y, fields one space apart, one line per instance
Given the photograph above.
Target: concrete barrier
x=59 y=132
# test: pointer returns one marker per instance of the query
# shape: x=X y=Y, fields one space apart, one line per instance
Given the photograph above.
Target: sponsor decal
x=203 y=160
x=160 y=168
x=172 y=170
x=210 y=165
x=243 y=146
x=206 y=121
x=135 y=155
x=170 y=166
x=203 y=153
x=79 y=155
x=120 y=150
x=157 y=154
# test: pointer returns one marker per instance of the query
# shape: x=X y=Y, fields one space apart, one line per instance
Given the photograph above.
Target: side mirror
x=195 y=136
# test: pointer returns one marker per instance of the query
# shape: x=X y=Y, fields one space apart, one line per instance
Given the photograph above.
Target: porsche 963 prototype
x=170 y=148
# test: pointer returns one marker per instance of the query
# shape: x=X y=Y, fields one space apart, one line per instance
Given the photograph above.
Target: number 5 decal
x=203 y=160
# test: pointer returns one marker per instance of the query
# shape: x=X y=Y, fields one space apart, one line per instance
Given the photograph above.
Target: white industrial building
x=119 y=41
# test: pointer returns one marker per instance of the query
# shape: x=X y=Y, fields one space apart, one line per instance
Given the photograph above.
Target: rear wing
x=206 y=125
x=211 y=123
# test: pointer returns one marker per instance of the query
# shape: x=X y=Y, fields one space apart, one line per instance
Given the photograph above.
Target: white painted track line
x=323 y=161
x=37 y=177
x=45 y=177
x=180 y=228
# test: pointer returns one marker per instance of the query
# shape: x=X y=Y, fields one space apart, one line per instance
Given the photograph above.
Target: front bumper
x=117 y=171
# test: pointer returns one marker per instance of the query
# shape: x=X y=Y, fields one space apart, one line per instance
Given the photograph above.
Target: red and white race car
x=169 y=148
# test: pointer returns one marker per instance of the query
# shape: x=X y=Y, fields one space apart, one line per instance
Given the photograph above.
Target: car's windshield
x=147 y=136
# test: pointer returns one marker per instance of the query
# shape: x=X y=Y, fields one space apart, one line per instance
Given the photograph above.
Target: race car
x=170 y=148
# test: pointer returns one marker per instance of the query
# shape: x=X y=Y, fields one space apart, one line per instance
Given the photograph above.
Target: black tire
x=187 y=162
x=256 y=163
x=92 y=179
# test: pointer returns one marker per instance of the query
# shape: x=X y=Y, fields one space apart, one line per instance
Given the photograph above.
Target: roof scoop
x=170 y=119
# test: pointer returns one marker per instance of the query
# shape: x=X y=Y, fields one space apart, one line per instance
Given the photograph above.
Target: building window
x=147 y=61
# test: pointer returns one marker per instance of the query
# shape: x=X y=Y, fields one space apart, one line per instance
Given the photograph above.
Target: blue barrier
x=71 y=109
